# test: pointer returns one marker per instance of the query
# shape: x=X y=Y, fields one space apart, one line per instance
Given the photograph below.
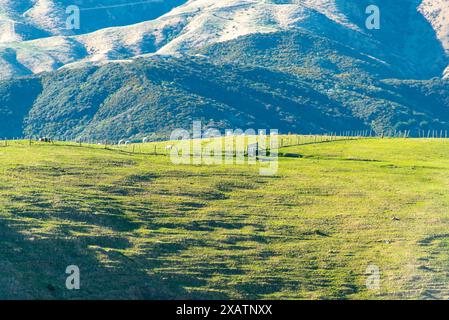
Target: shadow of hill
x=35 y=269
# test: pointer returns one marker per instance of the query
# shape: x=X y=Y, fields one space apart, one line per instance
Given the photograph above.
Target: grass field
x=140 y=227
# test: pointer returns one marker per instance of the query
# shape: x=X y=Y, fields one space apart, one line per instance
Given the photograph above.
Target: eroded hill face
x=437 y=13
x=301 y=66
x=22 y=20
x=413 y=35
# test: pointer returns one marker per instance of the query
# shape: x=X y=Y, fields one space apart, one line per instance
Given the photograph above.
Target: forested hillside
x=298 y=66
x=152 y=96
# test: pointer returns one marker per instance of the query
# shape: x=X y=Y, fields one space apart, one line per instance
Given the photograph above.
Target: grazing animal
x=44 y=139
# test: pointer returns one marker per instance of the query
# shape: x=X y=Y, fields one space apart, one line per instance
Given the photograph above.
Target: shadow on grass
x=35 y=269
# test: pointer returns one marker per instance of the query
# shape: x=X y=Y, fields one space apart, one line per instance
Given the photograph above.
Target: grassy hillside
x=151 y=97
x=318 y=70
x=140 y=227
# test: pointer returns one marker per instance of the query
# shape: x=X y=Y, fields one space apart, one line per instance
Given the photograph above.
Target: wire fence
x=166 y=147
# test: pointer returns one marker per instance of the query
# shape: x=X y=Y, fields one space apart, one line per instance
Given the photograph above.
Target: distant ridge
x=301 y=66
x=42 y=42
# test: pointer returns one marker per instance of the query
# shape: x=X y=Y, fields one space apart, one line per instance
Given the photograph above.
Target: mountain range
x=143 y=68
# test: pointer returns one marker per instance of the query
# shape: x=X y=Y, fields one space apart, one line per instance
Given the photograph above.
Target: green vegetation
x=140 y=227
x=298 y=83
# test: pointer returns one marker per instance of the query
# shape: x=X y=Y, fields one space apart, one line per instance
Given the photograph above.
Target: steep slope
x=406 y=41
x=33 y=19
x=150 y=97
x=156 y=96
x=406 y=38
x=301 y=66
x=437 y=13
x=16 y=99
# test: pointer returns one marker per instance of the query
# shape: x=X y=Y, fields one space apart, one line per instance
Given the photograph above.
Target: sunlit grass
x=140 y=227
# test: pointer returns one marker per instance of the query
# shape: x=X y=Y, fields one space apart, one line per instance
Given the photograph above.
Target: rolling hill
x=198 y=23
x=303 y=66
x=139 y=227
x=152 y=96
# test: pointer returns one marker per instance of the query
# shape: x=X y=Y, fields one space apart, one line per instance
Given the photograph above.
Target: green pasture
x=140 y=227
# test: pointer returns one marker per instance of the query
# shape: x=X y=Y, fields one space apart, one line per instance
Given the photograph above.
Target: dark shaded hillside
x=319 y=77
x=337 y=49
x=406 y=40
x=156 y=96
x=301 y=49
x=16 y=98
x=151 y=97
